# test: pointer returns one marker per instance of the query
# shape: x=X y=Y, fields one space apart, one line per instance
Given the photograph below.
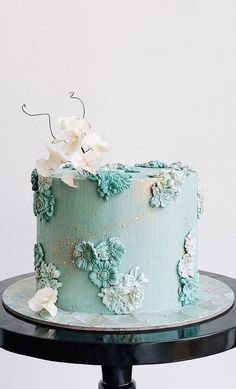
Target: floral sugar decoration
x=103 y=274
x=110 y=182
x=44 y=200
x=34 y=180
x=185 y=169
x=120 y=293
x=43 y=206
x=126 y=296
x=38 y=256
x=153 y=164
x=47 y=275
x=85 y=255
x=188 y=274
x=200 y=204
x=166 y=187
x=111 y=250
x=188 y=290
x=127 y=168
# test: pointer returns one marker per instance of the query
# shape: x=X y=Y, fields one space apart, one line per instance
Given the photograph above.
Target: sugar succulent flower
x=44 y=299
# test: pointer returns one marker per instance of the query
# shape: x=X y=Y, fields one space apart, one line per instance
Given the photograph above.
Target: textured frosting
x=153 y=237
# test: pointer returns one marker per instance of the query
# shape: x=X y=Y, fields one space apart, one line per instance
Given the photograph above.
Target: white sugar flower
x=82 y=147
x=95 y=142
x=190 y=244
x=126 y=296
x=73 y=131
x=186 y=266
x=44 y=299
x=68 y=179
x=45 y=167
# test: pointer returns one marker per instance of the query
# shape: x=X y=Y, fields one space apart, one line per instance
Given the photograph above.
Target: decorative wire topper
x=72 y=96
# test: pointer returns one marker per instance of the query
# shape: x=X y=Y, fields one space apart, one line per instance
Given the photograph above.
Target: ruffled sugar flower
x=127 y=168
x=200 y=204
x=126 y=296
x=111 y=250
x=34 y=180
x=110 y=182
x=186 y=269
x=38 y=256
x=186 y=266
x=85 y=256
x=190 y=243
x=44 y=299
x=153 y=164
x=166 y=187
x=103 y=274
x=185 y=169
x=188 y=290
x=43 y=206
x=47 y=276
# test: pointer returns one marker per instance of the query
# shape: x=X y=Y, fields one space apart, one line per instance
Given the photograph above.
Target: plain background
x=159 y=82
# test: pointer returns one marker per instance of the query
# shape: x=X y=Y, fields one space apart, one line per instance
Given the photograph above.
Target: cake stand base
x=117 y=378
x=117 y=352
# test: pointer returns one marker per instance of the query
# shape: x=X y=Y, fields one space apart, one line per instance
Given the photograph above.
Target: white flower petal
x=51 y=308
x=84 y=126
x=35 y=303
x=42 y=299
x=68 y=179
x=43 y=168
x=95 y=142
x=70 y=148
x=55 y=158
x=91 y=161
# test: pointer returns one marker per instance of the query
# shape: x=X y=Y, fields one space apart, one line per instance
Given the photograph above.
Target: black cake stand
x=118 y=352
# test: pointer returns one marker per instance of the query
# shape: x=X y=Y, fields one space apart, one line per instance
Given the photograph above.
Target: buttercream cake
x=113 y=239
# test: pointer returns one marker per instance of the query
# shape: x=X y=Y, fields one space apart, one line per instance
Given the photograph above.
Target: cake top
x=76 y=151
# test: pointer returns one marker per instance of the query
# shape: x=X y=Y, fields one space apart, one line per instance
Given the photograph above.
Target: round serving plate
x=215 y=298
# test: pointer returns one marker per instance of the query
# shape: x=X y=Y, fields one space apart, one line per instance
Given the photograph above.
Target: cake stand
x=118 y=352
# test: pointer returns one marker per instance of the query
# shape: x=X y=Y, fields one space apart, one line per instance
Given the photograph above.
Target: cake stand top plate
x=157 y=346
x=215 y=298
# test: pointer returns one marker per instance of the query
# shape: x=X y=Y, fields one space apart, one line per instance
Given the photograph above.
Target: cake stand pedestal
x=118 y=352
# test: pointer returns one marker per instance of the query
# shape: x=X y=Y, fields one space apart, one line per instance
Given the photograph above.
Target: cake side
x=153 y=238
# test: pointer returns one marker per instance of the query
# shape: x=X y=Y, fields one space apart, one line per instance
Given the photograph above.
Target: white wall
x=159 y=82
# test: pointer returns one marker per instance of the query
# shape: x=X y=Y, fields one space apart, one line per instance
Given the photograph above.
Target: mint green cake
x=118 y=241
x=112 y=239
